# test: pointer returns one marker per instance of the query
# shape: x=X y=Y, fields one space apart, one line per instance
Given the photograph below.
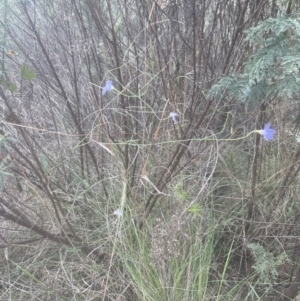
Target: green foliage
x=195 y=209
x=11 y=87
x=27 y=73
x=184 y=188
x=273 y=70
x=265 y=264
x=181 y=193
x=185 y=277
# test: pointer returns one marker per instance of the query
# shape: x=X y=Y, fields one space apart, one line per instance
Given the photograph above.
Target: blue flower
x=108 y=86
x=267 y=132
x=118 y=213
x=174 y=116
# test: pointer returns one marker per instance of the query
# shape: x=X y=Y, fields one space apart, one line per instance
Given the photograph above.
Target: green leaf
x=11 y=87
x=27 y=73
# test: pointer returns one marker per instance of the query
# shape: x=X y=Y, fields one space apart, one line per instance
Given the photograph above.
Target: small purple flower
x=108 y=86
x=267 y=132
x=174 y=116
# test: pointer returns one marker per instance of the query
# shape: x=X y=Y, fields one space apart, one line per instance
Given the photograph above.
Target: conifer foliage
x=273 y=70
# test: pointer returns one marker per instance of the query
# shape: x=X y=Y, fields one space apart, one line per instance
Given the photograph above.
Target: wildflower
x=118 y=213
x=267 y=132
x=174 y=116
x=108 y=86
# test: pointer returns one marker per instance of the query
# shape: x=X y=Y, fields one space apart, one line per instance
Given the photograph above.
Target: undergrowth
x=147 y=152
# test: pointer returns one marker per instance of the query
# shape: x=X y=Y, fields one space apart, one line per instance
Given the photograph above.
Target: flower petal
x=118 y=213
x=174 y=116
x=108 y=86
x=267 y=132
